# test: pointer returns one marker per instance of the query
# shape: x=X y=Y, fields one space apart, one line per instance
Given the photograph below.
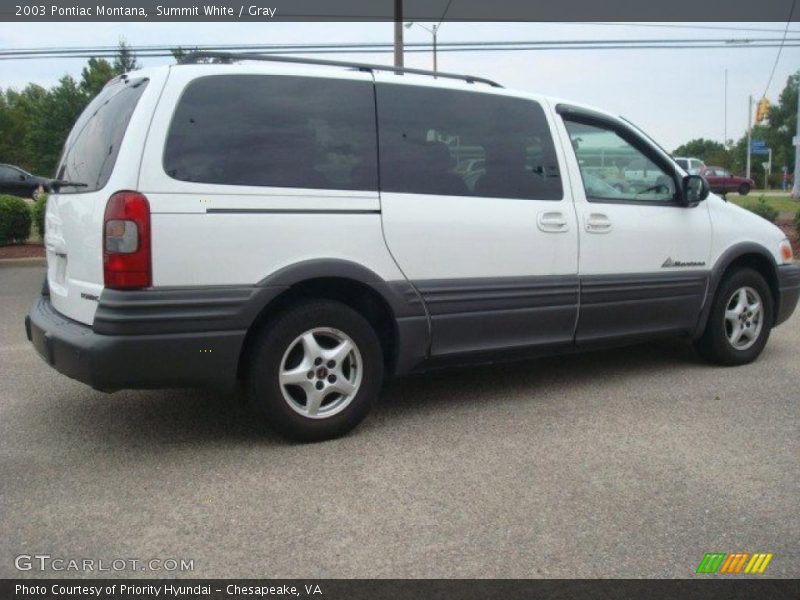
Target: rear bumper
x=789 y=291
x=112 y=362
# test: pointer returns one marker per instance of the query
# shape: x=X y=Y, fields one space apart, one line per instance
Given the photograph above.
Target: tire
x=286 y=365
x=737 y=294
x=744 y=189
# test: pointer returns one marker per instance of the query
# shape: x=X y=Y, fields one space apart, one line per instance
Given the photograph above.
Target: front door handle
x=598 y=223
x=552 y=222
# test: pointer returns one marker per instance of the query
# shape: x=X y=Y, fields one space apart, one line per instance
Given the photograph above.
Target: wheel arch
x=744 y=255
x=393 y=308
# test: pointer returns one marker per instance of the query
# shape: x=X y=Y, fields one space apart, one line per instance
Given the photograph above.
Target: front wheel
x=740 y=320
x=315 y=372
x=744 y=189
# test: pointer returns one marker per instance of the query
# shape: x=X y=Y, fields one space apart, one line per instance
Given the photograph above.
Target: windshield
x=92 y=147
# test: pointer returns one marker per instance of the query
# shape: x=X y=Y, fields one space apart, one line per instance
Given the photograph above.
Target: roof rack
x=196 y=57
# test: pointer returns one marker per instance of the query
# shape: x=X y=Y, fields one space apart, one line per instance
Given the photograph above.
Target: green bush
x=797 y=222
x=38 y=210
x=15 y=220
x=763 y=209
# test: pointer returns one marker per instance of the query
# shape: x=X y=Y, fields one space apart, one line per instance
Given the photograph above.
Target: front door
x=476 y=216
x=643 y=257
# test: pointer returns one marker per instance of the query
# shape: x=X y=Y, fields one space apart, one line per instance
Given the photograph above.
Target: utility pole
x=725 y=111
x=435 y=32
x=768 y=171
x=749 y=131
x=796 y=184
x=398 y=33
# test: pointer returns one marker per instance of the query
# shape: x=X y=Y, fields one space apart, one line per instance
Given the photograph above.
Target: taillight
x=126 y=242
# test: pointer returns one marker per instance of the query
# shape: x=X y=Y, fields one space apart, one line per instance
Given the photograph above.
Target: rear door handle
x=598 y=223
x=552 y=222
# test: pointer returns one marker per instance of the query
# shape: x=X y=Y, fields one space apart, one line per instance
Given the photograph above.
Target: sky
x=675 y=95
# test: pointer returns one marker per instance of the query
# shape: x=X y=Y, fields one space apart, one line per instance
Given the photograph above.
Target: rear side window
x=274 y=130
x=91 y=149
x=450 y=142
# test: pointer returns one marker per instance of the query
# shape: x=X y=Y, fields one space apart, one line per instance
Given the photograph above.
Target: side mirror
x=22 y=177
x=694 y=189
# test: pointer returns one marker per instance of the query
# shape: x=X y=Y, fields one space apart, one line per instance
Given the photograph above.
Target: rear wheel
x=744 y=189
x=740 y=320
x=315 y=372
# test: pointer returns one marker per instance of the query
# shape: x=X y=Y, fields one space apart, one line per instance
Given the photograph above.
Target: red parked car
x=722 y=181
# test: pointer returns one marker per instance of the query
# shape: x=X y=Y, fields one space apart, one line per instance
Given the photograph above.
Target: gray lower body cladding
x=150 y=360
x=193 y=336
x=788 y=292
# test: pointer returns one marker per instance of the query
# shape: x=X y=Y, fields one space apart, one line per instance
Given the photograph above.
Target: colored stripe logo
x=736 y=562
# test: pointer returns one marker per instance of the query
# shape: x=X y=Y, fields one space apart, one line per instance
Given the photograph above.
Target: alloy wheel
x=320 y=372
x=744 y=318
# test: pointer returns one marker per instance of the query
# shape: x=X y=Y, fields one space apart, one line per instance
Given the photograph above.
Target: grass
x=782 y=201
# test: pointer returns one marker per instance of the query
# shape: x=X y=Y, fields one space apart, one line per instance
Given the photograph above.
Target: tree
x=16 y=110
x=180 y=53
x=125 y=60
x=782 y=121
x=51 y=121
x=96 y=73
x=709 y=151
x=777 y=132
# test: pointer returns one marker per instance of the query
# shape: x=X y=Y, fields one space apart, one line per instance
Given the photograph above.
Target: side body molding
x=718 y=270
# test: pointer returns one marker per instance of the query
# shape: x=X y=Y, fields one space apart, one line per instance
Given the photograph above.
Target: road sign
x=758 y=147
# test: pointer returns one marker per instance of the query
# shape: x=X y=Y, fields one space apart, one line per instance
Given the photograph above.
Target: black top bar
x=195 y=57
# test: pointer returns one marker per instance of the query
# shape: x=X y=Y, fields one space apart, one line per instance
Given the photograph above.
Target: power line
x=780 y=49
x=166 y=50
x=383 y=50
x=682 y=26
x=444 y=14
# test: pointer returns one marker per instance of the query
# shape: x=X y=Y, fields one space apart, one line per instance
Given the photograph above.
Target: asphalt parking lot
x=625 y=463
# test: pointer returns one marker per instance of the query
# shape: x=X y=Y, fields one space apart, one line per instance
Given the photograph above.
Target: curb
x=30 y=261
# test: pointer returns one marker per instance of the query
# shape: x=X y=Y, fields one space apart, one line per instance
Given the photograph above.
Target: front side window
x=457 y=143
x=615 y=169
x=276 y=131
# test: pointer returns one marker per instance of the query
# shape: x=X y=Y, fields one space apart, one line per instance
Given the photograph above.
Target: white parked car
x=301 y=228
x=693 y=166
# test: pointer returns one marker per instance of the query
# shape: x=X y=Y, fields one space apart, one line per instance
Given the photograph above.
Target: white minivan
x=304 y=229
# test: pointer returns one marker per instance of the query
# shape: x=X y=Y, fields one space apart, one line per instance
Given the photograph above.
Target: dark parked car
x=17 y=182
x=722 y=181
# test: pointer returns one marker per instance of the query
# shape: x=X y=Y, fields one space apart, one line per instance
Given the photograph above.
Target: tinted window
x=9 y=173
x=435 y=141
x=614 y=168
x=92 y=147
x=683 y=163
x=275 y=131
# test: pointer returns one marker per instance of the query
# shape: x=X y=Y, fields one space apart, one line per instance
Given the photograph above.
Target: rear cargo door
x=95 y=164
